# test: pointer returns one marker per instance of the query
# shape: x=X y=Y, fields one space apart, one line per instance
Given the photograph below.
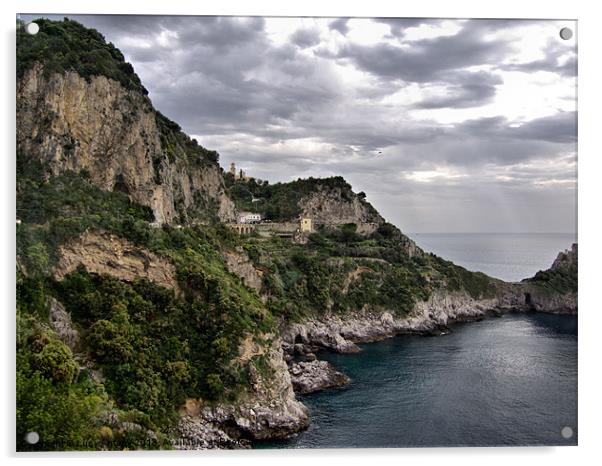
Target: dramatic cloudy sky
x=447 y=125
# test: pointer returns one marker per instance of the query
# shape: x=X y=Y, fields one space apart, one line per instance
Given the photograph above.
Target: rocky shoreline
x=271 y=410
x=298 y=371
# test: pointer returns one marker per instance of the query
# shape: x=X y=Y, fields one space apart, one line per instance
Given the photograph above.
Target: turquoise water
x=502 y=381
x=509 y=256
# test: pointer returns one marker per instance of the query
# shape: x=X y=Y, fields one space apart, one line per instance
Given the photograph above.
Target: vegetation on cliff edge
x=69 y=46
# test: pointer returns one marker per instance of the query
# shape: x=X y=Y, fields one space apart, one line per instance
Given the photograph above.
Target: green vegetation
x=62 y=208
x=341 y=272
x=560 y=279
x=177 y=145
x=154 y=348
x=65 y=416
x=456 y=278
x=56 y=397
x=68 y=46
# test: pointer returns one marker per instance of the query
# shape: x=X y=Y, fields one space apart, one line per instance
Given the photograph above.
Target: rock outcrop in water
x=313 y=376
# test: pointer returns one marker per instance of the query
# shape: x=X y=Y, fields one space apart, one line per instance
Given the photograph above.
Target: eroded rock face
x=268 y=409
x=313 y=376
x=105 y=253
x=111 y=133
x=333 y=207
x=566 y=258
x=197 y=433
x=555 y=290
x=60 y=321
x=553 y=303
x=342 y=333
x=239 y=264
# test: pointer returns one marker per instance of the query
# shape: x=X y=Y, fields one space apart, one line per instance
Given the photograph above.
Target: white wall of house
x=249 y=217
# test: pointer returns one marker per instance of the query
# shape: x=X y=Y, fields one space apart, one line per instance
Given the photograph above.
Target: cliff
x=332 y=205
x=552 y=291
x=96 y=125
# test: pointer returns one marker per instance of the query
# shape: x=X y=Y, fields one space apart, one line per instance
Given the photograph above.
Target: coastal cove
x=510 y=380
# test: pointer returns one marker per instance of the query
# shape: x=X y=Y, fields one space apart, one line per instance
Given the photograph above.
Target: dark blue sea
x=501 y=381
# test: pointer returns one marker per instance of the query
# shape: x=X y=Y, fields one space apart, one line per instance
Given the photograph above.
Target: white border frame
x=590 y=171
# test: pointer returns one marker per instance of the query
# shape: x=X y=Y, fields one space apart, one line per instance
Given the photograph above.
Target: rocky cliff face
x=239 y=264
x=104 y=253
x=554 y=290
x=112 y=133
x=268 y=411
x=341 y=333
x=333 y=206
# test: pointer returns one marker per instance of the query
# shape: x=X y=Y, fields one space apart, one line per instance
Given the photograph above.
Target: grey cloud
x=559 y=128
x=551 y=62
x=399 y=25
x=304 y=38
x=221 y=32
x=340 y=25
x=426 y=60
x=471 y=89
x=225 y=82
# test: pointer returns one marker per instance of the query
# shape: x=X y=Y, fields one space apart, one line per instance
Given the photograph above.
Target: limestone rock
x=105 y=253
x=335 y=206
x=60 y=321
x=269 y=411
x=198 y=433
x=566 y=258
x=312 y=376
x=98 y=126
x=239 y=264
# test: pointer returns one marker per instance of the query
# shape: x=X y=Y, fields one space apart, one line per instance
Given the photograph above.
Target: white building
x=249 y=217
